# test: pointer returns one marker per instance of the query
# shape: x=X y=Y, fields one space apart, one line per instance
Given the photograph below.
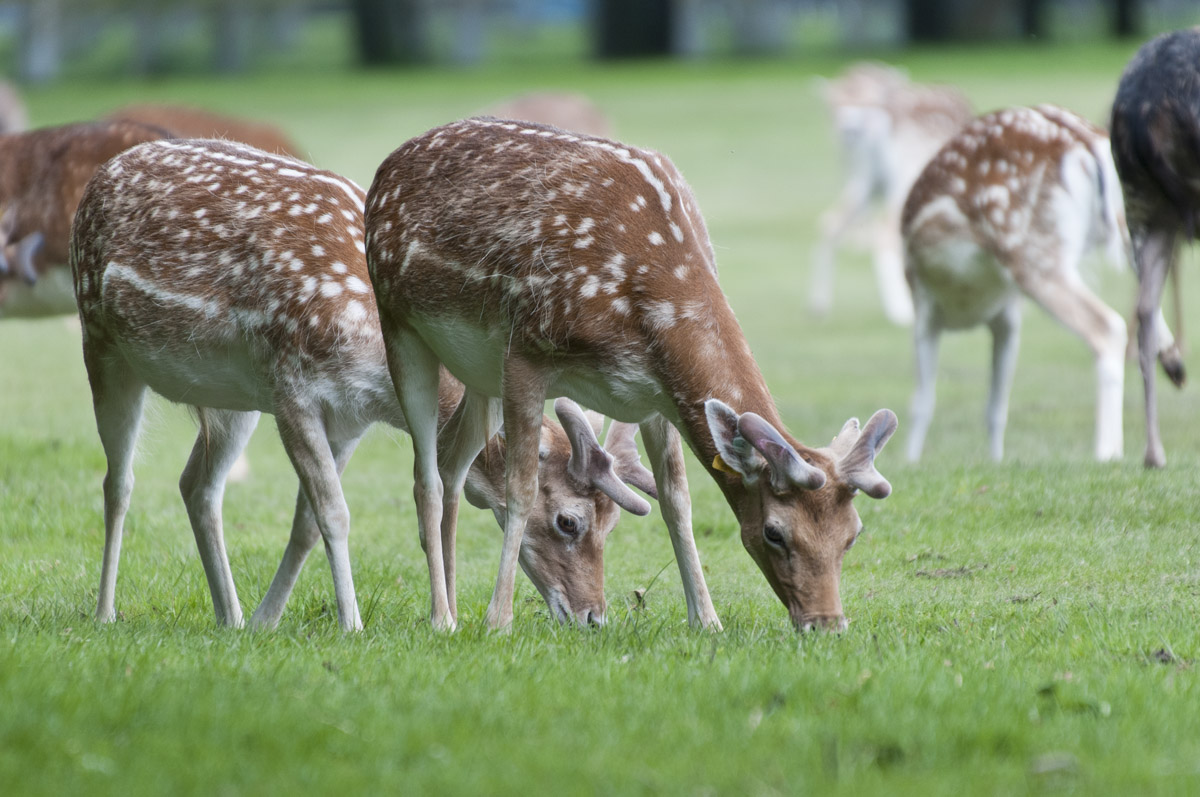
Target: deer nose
x=825 y=622
x=594 y=617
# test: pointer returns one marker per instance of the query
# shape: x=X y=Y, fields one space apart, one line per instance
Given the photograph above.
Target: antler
x=591 y=464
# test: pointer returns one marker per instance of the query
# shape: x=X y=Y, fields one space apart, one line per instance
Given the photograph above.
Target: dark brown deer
x=187 y=122
x=1156 y=146
x=534 y=262
x=233 y=280
x=44 y=175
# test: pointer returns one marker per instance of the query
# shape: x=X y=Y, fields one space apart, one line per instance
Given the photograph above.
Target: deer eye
x=773 y=534
x=567 y=524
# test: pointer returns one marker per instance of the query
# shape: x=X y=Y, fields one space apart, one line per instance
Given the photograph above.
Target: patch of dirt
x=952 y=572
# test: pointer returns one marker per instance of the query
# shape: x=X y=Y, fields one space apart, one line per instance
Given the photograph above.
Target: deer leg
x=1154 y=256
x=834 y=224
x=1006 y=337
x=222 y=437
x=926 y=332
x=889 y=272
x=1078 y=309
x=460 y=441
x=415 y=374
x=524 y=388
x=306 y=441
x=664 y=449
x=117 y=398
x=305 y=534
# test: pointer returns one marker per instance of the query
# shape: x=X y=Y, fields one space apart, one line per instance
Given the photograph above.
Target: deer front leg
x=1154 y=256
x=222 y=437
x=664 y=448
x=1006 y=343
x=460 y=441
x=305 y=534
x=117 y=398
x=307 y=445
x=926 y=333
x=524 y=388
x=414 y=370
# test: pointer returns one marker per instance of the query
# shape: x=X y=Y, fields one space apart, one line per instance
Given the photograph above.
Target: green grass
x=1022 y=627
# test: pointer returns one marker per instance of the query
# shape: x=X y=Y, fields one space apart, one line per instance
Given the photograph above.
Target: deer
x=234 y=281
x=565 y=110
x=14 y=116
x=1155 y=129
x=189 y=122
x=1005 y=210
x=530 y=261
x=44 y=177
x=887 y=129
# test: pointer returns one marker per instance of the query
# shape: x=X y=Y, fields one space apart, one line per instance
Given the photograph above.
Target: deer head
x=581 y=492
x=796 y=511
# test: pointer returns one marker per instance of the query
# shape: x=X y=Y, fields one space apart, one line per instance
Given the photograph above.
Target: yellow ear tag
x=722 y=465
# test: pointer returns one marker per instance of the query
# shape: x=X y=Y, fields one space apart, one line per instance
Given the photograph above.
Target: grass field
x=1022 y=627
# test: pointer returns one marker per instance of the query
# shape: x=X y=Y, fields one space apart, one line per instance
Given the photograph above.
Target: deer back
x=226 y=273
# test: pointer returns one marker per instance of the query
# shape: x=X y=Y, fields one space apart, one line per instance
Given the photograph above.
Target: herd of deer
x=494 y=263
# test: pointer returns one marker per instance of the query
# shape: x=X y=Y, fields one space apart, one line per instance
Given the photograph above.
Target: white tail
x=1007 y=209
x=233 y=280
x=887 y=128
x=534 y=262
x=42 y=176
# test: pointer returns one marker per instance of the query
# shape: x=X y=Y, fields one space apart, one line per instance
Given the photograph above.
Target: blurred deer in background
x=43 y=176
x=533 y=262
x=887 y=128
x=567 y=111
x=1156 y=145
x=1007 y=209
x=187 y=122
x=234 y=281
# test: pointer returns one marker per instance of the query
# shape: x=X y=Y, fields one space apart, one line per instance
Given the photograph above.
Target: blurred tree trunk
x=966 y=20
x=929 y=20
x=41 y=41
x=392 y=31
x=1127 y=18
x=233 y=32
x=631 y=28
x=759 y=26
x=1033 y=19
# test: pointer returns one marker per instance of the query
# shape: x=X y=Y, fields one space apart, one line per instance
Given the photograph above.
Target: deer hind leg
x=851 y=206
x=1154 y=257
x=415 y=374
x=664 y=448
x=926 y=333
x=117 y=398
x=306 y=441
x=223 y=435
x=468 y=430
x=1065 y=297
x=305 y=534
x=1006 y=337
x=524 y=388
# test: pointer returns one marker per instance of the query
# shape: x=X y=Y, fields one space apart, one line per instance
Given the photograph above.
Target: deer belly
x=965 y=282
x=220 y=377
x=474 y=353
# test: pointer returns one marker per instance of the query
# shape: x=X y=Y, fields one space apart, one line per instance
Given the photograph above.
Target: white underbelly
x=966 y=283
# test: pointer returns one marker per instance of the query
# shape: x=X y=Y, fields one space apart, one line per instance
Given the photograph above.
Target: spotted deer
x=565 y=110
x=1155 y=135
x=533 y=262
x=887 y=128
x=43 y=176
x=234 y=281
x=1007 y=209
x=188 y=122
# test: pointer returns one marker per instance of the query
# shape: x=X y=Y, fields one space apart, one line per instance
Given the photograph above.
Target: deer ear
x=628 y=464
x=590 y=464
x=857 y=466
x=484 y=485
x=734 y=454
x=27 y=249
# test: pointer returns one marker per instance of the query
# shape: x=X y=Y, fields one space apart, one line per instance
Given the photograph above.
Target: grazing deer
x=14 y=117
x=533 y=262
x=573 y=112
x=187 y=122
x=887 y=128
x=1156 y=146
x=1007 y=209
x=44 y=175
x=234 y=281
